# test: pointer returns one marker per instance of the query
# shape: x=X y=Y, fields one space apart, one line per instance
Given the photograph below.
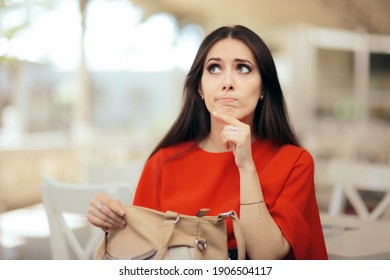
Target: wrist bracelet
x=251 y=203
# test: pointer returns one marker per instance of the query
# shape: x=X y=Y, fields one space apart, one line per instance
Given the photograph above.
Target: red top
x=184 y=178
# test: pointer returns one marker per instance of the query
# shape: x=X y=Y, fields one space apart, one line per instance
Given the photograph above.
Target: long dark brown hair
x=271 y=119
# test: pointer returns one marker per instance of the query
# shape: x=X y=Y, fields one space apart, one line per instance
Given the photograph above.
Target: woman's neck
x=213 y=143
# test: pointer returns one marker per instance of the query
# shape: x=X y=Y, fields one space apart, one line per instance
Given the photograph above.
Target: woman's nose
x=228 y=81
x=227 y=86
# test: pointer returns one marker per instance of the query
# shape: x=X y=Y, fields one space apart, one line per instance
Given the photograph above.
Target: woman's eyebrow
x=242 y=60
x=214 y=58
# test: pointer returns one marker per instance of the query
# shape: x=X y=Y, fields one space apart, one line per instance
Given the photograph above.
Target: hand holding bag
x=150 y=234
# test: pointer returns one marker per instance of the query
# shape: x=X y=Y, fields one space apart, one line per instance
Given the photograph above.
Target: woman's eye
x=214 y=69
x=242 y=68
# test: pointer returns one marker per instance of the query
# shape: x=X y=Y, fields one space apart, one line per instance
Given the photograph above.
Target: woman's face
x=231 y=81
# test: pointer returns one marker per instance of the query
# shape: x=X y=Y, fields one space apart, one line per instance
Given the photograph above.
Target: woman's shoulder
x=173 y=150
x=295 y=156
x=288 y=151
x=297 y=151
x=293 y=149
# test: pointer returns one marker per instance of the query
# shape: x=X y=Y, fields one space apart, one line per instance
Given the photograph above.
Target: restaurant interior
x=89 y=87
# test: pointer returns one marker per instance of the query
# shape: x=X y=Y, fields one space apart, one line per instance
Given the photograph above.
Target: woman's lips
x=226 y=100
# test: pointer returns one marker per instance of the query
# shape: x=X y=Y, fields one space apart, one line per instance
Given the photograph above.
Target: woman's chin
x=227 y=111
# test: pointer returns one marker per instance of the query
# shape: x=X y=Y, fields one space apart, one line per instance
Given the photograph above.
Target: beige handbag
x=151 y=234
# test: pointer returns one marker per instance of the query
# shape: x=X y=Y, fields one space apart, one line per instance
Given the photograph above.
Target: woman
x=232 y=148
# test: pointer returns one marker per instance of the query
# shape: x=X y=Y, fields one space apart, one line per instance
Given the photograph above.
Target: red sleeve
x=295 y=209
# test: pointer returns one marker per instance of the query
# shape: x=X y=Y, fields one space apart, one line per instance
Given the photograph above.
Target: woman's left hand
x=237 y=137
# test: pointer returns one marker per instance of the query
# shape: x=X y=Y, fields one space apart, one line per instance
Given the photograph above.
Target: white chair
x=349 y=177
x=64 y=201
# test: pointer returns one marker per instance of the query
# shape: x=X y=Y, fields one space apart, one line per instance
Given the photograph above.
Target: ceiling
x=372 y=16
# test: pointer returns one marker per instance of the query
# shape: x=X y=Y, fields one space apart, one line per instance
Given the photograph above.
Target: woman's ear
x=200 y=93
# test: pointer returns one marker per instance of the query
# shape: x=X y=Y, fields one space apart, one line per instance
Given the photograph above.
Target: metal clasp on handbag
x=201 y=244
x=226 y=215
x=169 y=215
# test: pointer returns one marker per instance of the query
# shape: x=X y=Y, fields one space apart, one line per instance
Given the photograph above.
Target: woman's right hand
x=105 y=212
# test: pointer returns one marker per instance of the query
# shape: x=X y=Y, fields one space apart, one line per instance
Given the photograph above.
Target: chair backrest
x=349 y=177
x=64 y=201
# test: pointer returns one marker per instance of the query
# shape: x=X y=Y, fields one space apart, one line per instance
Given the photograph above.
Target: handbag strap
x=239 y=237
x=237 y=232
x=170 y=220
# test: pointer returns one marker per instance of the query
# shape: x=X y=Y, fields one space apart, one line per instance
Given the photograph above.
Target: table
x=348 y=237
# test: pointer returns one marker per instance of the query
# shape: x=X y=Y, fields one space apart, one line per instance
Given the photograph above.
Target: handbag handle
x=237 y=232
x=170 y=220
x=239 y=238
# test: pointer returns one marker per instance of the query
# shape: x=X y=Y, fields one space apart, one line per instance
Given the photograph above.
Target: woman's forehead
x=230 y=48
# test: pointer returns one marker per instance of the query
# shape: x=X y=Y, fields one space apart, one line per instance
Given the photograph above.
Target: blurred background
x=88 y=87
